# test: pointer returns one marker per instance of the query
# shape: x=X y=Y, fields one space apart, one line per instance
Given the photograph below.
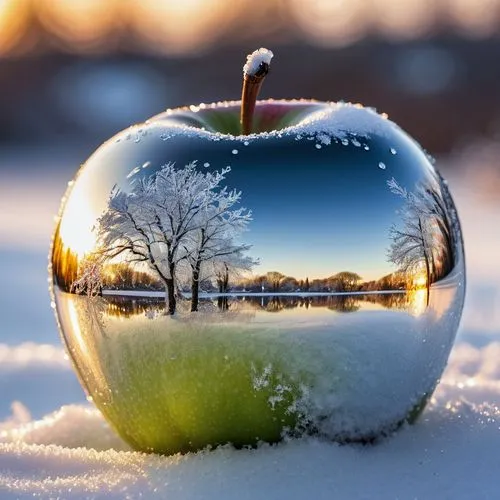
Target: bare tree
x=89 y=279
x=230 y=266
x=345 y=281
x=213 y=240
x=171 y=216
x=274 y=279
x=424 y=237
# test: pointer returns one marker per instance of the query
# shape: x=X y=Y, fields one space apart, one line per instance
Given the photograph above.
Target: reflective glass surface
x=214 y=289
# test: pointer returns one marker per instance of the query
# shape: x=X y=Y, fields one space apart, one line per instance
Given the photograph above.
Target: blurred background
x=74 y=72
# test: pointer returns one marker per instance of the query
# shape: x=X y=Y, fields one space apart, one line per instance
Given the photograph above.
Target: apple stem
x=254 y=74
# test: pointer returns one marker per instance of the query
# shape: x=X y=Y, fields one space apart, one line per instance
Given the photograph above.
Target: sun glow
x=418 y=301
x=179 y=27
x=77 y=224
x=82 y=22
x=14 y=22
x=191 y=26
x=420 y=281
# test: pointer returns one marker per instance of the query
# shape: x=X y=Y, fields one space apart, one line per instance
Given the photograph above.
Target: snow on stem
x=254 y=73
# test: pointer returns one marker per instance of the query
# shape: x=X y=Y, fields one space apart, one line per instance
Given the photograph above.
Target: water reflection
x=126 y=306
x=322 y=347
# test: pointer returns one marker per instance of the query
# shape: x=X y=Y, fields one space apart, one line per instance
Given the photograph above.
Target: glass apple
x=219 y=288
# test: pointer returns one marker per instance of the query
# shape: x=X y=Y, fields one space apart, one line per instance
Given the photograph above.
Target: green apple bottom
x=181 y=383
x=174 y=385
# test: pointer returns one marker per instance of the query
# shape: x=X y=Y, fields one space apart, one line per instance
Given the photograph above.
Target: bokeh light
x=477 y=18
x=331 y=22
x=176 y=27
x=85 y=24
x=14 y=20
x=405 y=20
x=186 y=27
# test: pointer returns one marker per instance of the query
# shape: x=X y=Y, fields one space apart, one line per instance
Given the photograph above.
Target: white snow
x=32 y=355
x=255 y=59
x=71 y=426
x=326 y=121
x=451 y=453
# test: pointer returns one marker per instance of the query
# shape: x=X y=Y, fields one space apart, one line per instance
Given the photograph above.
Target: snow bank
x=32 y=355
x=72 y=426
x=449 y=453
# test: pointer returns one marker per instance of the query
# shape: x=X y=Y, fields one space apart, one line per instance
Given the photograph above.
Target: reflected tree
x=127 y=307
x=290 y=284
x=275 y=304
x=343 y=303
x=125 y=276
x=90 y=276
x=213 y=242
x=177 y=215
x=423 y=239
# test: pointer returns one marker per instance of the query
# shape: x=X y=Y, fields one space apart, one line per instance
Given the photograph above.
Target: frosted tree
x=172 y=216
x=424 y=236
x=230 y=266
x=89 y=278
x=214 y=239
x=227 y=267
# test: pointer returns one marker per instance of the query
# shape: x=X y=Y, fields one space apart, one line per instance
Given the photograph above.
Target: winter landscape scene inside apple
x=331 y=296
x=214 y=365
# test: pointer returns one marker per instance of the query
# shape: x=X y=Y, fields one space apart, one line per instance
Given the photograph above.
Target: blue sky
x=316 y=211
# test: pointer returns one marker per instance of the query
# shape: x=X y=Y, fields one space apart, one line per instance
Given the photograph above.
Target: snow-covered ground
x=53 y=444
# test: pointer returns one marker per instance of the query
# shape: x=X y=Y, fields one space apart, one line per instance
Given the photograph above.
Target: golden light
x=331 y=22
x=405 y=20
x=420 y=281
x=14 y=20
x=478 y=17
x=75 y=326
x=180 y=26
x=76 y=225
x=418 y=301
x=85 y=23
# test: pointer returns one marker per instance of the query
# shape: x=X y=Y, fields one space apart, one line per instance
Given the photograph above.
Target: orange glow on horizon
x=191 y=26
